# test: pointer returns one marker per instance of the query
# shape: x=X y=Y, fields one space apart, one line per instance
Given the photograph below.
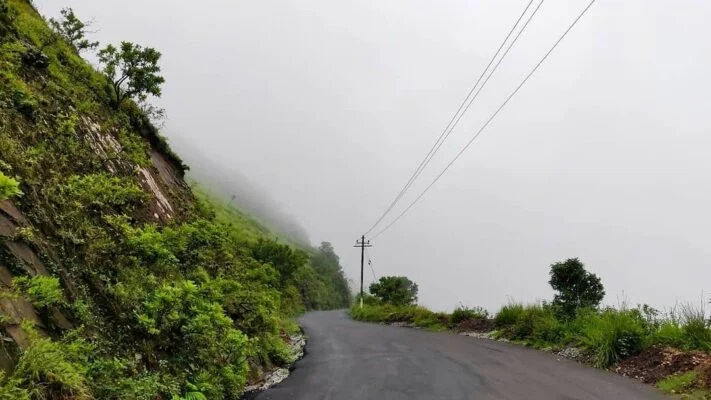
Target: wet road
x=354 y=360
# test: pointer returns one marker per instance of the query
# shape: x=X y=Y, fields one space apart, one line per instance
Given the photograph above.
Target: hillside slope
x=116 y=282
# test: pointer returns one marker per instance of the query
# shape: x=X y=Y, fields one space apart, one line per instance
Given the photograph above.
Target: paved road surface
x=354 y=360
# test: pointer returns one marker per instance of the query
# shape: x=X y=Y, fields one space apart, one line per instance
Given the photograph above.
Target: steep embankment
x=116 y=282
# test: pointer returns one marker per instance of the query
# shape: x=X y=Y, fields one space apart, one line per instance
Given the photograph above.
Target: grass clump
x=678 y=384
x=611 y=335
x=463 y=313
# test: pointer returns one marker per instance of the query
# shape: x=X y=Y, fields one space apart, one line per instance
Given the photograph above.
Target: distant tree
x=132 y=70
x=396 y=290
x=576 y=287
x=71 y=28
x=282 y=257
x=326 y=263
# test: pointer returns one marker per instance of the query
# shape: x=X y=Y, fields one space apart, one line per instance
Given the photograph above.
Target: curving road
x=354 y=360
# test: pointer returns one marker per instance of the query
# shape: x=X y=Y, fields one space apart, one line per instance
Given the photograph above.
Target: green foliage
x=73 y=30
x=389 y=313
x=576 y=287
x=180 y=308
x=10 y=389
x=463 y=313
x=53 y=370
x=42 y=291
x=696 y=332
x=676 y=384
x=285 y=259
x=508 y=315
x=611 y=335
x=397 y=290
x=132 y=70
x=103 y=192
x=9 y=187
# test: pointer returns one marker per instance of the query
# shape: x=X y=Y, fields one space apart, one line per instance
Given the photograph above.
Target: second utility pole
x=362 y=244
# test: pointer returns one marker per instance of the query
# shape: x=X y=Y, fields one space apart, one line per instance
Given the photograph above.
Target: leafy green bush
x=611 y=335
x=463 y=313
x=42 y=291
x=8 y=187
x=669 y=333
x=508 y=315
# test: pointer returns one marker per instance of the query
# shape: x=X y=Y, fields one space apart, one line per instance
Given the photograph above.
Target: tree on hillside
x=327 y=264
x=576 y=287
x=132 y=70
x=282 y=257
x=73 y=30
x=396 y=290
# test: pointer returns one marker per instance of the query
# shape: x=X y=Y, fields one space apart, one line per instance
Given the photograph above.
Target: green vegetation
x=73 y=30
x=150 y=292
x=397 y=290
x=132 y=70
x=576 y=288
x=676 y=384
x=8 y=187
x=43 y=291
x=606 y=336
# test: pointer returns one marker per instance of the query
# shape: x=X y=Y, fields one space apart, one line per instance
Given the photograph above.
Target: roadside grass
x=606 y=336
x=678 y=384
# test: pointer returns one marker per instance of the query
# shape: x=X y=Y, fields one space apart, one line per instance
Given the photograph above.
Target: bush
x=42 y=291
x=696 y=332
x=669 y=333
x=464 y=313
x=611 y=335
x=508 y=315
x=8 y=187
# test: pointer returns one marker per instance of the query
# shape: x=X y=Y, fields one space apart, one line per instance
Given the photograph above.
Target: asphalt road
x=354 y=360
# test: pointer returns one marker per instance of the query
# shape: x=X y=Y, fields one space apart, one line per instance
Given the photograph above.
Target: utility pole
x=362 y=244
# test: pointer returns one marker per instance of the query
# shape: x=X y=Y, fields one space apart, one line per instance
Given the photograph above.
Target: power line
x=533 y=14
x=490 y=119
x=434 y=147
x=370 y=264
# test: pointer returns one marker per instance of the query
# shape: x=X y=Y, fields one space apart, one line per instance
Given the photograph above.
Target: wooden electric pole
x=362 y=244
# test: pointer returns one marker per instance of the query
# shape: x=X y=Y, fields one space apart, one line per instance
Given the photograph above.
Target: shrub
x=695 y=329
x=42 y=291
x=508 y=315
x=8 y=187
x=464 y=313
x=669 y=333
x=611 y=335
x=397 y=290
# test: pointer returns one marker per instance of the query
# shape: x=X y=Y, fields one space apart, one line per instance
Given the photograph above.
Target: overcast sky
x=329 y=106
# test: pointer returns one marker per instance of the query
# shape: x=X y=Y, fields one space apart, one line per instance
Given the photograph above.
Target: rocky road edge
x=297 y=346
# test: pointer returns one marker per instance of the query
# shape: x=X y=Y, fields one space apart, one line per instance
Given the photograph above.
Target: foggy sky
x=329 y=106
